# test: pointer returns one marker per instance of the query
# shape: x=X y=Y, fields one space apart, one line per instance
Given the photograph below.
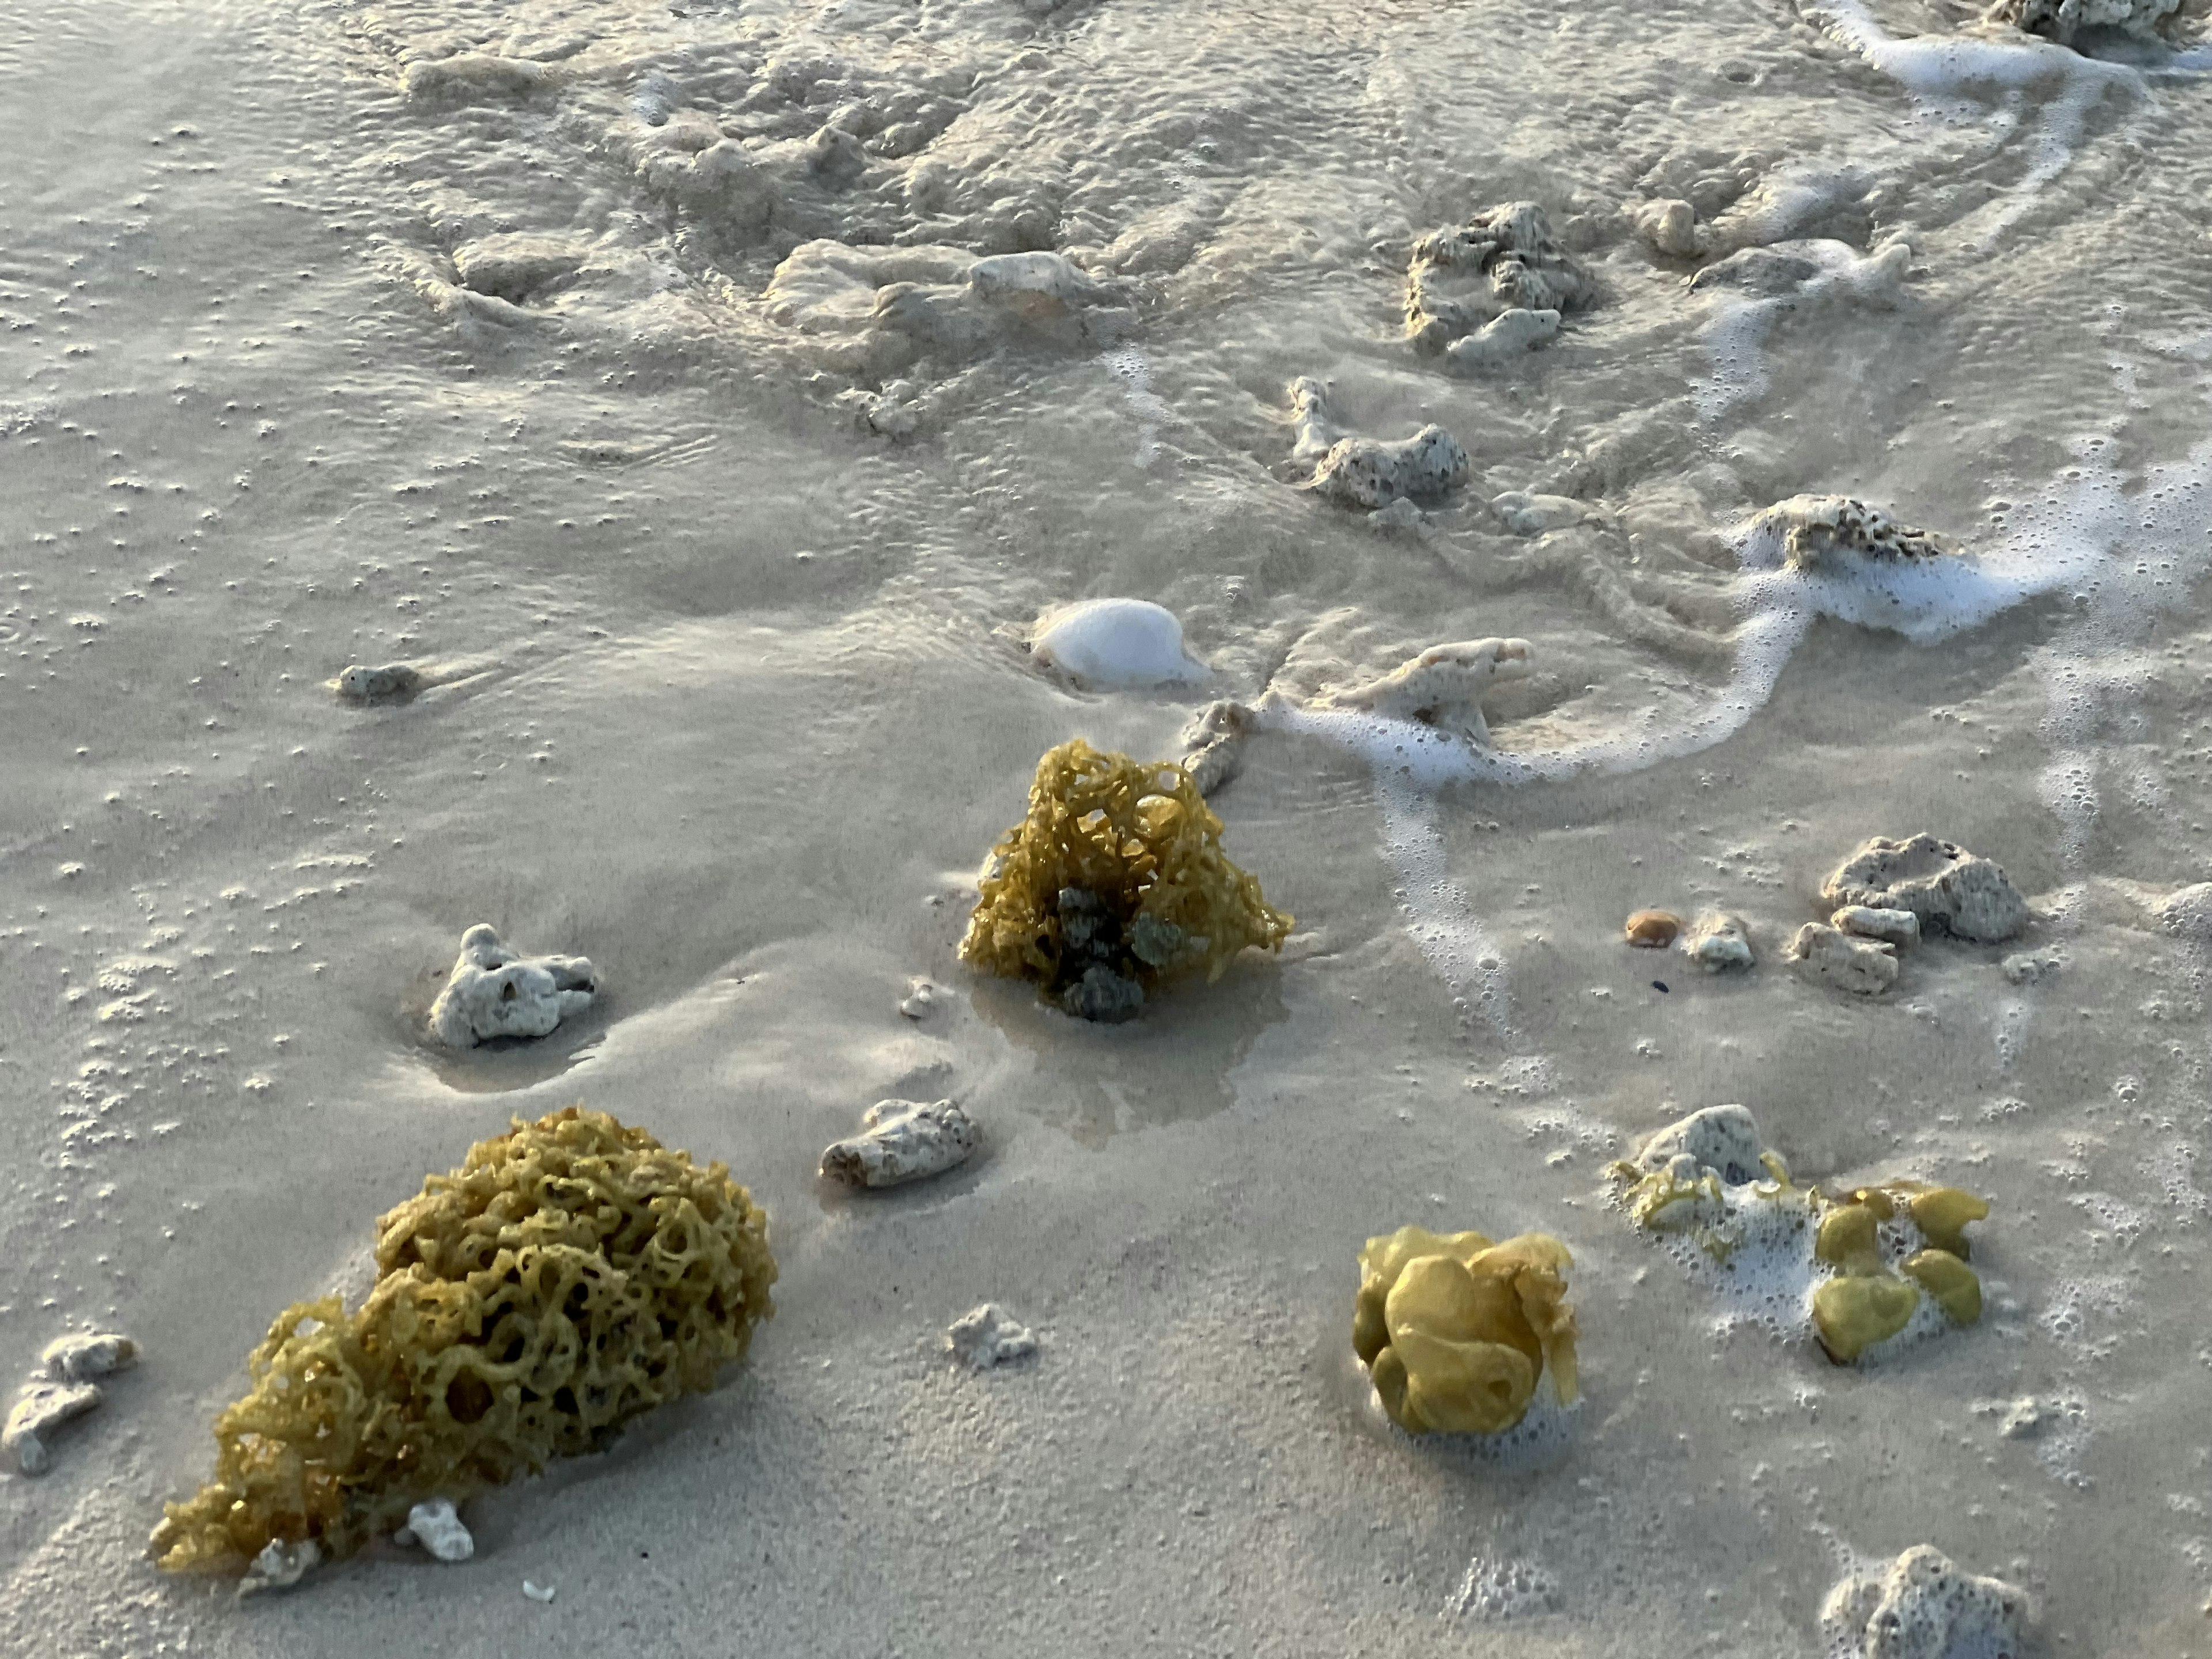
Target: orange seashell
x=1654 y=930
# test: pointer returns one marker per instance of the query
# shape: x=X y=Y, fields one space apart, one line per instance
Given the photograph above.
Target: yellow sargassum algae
x=1456 y=1330
x=1141 y=839
x=570 y=1274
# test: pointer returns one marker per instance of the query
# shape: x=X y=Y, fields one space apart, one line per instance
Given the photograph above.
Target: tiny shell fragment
x=1653 y=930
x=988 y=1336
x=902 y=1141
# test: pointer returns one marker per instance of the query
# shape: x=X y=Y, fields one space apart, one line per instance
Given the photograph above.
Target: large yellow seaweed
x=570 y=1274
x=1114 y=881
x=1455 y=1331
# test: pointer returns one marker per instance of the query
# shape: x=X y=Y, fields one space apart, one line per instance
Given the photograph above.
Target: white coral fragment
x=362 y=683
x=1444 y=687
x=1670 y=225
x=39 y=1409
x=1458 y=281
x=1528 y=515
x=1809 y=533
x=2059 y=19
x=1890 y=927
x=988 y=1336
x=1718 y=943
x=1213 y=744
x=82 y=1355
x=1508 y=334
x=1924 y=1606
x=1115 y=643
x=902 y=1141
x=436 y=1526
x=493 y=992
x=1861 y=966
x=1721 y=1140
x=280 y=1566
x=1950 y=889
x=1369 y=473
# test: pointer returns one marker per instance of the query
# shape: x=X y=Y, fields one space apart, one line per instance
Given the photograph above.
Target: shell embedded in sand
x=1115 y=643
x=1652 y=930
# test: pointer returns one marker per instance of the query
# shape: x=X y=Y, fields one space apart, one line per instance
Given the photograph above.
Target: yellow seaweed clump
x=1864 y=1303
x=570 y=1274
x=1116 y=880
x=1455 y=1331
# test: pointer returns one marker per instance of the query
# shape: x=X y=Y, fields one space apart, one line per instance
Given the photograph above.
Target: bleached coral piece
x=1670 y=225
x=1924 y=1606
x=361 y=684
x=1815 y=268
x=988 y=1336
x=1950 y=889
x=1369 y=473
x=2059 y=19
x=1863 y=967
x=1722 y=1140
x=493 y=992
x=82 y=1355
x=1528 y=515
x=1811 y=533
x=436 y=1526
x=902 y=1141
x=1504 y=260
x=1444 y=685
x=1506 y=336
x=1898 y=927
x=39 y=1409
x=1115 y=643
x=280 y=1566
x=1718 y=943
x=1313 y=426
x=1214 y=741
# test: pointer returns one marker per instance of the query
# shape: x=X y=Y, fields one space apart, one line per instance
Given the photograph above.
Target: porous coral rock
x=1898 y=927
x=1505 y=260
x=437 y=1527
x=82 y=1355
x=1456 y=1331
x=1371 y=472
x=361 y=684
x=1670 y=225
x=1718 y=943
x=1950 y=889
x=1863 y=967
x=1924 y=1606
x=572 y=1274
x=2060 y=19
x=1817 y=268
x=1114 y=881
x=1724 y=1140
x=1444 y=687
x=1528 y=515
x=988 y=1336
x=1213 y=744
x=1810 y=532
x=1506 y=336
x=902 y=1141
x=39 y=1409
x=494 y=991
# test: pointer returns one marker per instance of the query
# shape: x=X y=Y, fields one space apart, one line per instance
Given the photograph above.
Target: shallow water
x=736 y=696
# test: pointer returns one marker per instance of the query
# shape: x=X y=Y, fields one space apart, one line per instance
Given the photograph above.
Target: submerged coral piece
x=1924 y=1606
x=1369 y=472
x=1455 y=1331
x=41 y=1408
x=1113 y=882
x=1897 y=928
x=572 y=1274
x=1950 y=889
x=1461 y=282
x=1213 y=744
x=1863 y=967
x=1815 y=529
x=1853 y=1269
x=2060 y=19
x=493 y=992
x=988 y=1336
x=1504 y=336
x=1718 y=943
x=1444 y=685
x=902 y=1141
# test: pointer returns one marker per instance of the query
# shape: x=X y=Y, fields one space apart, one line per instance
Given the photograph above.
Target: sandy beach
x=642 y=375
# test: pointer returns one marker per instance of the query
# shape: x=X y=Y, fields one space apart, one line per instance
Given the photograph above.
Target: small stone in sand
x=41 y=1408
x=280 y=1566
x=1718 y=943
x=1863 y=966
x=1213 y=744
x=493 y=992
x=436 y=1526
x=1950 y=889
x=988 y=1336
x=1898 y=927
x=921 y=1001
x=360 y=684
x=2031 y=967
x=902 y=1141
x=540 y=1593
x=1652 y=930
x=83 y=1355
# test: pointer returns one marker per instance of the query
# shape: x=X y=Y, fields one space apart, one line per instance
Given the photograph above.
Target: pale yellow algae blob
x=1114 y=881
x=1456 y=1331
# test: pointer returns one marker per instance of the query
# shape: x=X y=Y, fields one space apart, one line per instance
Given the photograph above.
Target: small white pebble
x=537 y=1592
